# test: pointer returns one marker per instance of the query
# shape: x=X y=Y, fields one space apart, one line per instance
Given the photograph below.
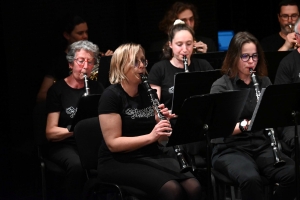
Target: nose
x=188 y=22
x=85 y=36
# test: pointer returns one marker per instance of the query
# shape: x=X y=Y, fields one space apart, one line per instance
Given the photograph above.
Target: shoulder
x=221 y=84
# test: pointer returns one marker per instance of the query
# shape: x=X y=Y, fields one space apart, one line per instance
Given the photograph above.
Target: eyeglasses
x=81 y=61
x=286 y=17
x=138 y=62
x=246 y=57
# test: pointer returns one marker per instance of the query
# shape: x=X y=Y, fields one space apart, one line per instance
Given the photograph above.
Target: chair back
x=88 y=138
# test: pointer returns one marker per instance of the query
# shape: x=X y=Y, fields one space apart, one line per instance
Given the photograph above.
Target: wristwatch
x=243 y=125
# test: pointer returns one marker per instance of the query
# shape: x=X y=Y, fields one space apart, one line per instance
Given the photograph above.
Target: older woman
x=130 y=154
x=62 y=99
x=246 y=155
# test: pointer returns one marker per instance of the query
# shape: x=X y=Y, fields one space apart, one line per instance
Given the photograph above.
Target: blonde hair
x=123 y=57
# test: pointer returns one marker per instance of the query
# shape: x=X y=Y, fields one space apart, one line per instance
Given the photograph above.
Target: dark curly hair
x=172 y=13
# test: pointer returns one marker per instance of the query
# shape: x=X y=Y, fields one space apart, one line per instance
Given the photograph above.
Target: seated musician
x=161 y=75
x=62 y=99
x=246 y=155
x=130 y=153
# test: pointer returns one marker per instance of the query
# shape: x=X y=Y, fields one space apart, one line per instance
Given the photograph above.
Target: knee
x=75 y=168
x=253 y=181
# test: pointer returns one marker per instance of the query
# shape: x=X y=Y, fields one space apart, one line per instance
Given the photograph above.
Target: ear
x=66 y=35
x=71 y=65
x=170 y=44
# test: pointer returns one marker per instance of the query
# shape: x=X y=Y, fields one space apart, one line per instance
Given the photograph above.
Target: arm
x=46 y=84
x=111 y=126
x=55 y=133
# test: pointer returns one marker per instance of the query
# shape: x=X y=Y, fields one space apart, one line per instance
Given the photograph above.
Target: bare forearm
x=127 y=144
x=56 y=134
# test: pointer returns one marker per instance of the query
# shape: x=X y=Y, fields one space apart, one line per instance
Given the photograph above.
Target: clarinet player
x=62 y=99
x=130 y=153
x=246 y=156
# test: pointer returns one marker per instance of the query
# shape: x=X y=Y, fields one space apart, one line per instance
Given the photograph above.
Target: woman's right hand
x=162 y=128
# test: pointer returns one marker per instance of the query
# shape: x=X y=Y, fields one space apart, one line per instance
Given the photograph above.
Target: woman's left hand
x=166 y=112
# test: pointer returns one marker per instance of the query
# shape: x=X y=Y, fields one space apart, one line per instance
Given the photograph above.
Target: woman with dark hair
x=180 y=43
x=186 y=12
x=245 y=156
x=73 y=29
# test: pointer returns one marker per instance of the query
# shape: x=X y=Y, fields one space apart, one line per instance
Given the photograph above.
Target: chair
x=88 y=137
x=46 y=165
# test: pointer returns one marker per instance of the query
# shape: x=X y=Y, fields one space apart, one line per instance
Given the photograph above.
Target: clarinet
x=87 y=89
x=185 y=63
x=184 y=166
x=278 y=160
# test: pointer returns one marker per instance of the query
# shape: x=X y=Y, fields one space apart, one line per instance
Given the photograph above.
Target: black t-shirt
x=137 y=115
x=162 y=74
x=224 y=84
x=64 y=99
x=289 y=69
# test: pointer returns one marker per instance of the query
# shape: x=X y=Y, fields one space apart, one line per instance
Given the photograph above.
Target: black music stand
x=208 y=116
x=87 y=108
x=187 y=84
x=278 y=106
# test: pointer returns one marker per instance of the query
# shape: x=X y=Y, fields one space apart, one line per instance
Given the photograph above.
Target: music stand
x=87 y=108
x=210 y=116
x=187 y=84
x=278 y=106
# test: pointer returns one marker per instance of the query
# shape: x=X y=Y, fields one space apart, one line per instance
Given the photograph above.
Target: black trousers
x=66 y=155
x=246 y=165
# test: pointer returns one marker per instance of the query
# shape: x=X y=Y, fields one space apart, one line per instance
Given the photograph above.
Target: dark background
x=29 y=40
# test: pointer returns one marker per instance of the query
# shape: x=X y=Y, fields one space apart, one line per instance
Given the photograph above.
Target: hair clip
x=178 y=21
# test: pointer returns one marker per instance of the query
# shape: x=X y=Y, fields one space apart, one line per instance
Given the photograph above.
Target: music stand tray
x=87 y=108
x=275 y=106
x=218 y=113
x=187 y=84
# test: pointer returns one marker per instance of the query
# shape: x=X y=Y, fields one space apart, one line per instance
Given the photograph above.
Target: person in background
x=186 y=12
x=284 y=40
x=61 y=103
x=289 y=72
x=129 y=154
x=245 y=155
x=73 y=29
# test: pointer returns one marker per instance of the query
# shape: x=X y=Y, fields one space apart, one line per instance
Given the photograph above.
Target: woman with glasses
x=284 y=40
x=72 y=29
x=130 y=154
x=62 y=100
x=245 y=156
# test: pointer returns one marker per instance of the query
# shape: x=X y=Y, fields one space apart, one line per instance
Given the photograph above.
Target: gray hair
x=85 y=45
x=296 y=26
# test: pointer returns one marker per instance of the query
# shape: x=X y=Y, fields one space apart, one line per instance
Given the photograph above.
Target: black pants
x=245 y=166
x=66 y=155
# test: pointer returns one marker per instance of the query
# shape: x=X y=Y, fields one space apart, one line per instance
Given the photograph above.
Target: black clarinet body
x=184 y=166
x=278 y=159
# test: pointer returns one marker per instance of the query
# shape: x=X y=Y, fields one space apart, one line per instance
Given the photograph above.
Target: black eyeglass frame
x=248 y=57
